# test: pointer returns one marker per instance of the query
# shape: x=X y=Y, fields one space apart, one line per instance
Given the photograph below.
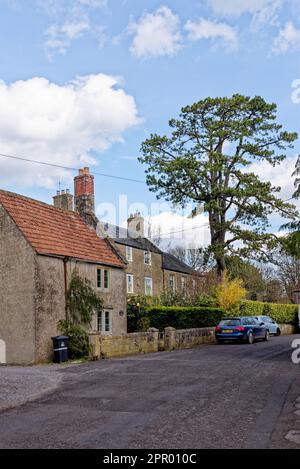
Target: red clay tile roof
x=57 y=232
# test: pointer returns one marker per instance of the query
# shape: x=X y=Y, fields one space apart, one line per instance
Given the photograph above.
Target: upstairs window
x=129 y=255
x=147 y=257
x=103 y=279
x=99 y=278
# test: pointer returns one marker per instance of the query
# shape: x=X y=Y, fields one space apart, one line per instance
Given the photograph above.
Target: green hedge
x=183 y=317
x=282 y=313
x=186 y=317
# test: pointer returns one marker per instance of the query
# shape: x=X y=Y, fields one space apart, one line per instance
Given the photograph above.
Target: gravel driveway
x=20 y=384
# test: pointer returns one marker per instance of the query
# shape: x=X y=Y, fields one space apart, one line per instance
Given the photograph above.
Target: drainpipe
x=65 y=260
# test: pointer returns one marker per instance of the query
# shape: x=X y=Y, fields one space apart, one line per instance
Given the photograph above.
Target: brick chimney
x=136 y=224
x=84 y=197
x=63 y=200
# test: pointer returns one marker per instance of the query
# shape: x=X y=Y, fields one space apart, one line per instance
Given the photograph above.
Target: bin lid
x=60 y=337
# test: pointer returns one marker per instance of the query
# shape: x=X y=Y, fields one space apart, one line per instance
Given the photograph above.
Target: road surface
x=215 y=396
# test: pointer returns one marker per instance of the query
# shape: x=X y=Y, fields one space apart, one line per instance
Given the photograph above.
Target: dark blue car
x=246 y=329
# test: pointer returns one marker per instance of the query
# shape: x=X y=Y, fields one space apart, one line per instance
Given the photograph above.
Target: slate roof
x=57 y=232
x=170 y=262
x=129 y=238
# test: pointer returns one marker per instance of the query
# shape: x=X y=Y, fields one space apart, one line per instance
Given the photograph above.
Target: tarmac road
x=215 y=396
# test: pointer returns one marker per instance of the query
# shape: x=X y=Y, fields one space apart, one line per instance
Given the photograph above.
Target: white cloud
x=207 y=29
x=59 y=38
x=279 y=175
x=262 y=11
x=61 y=124
x=70 y=21
x=288 y=39
x=238 y=7
x=179 y=230
x=156 y=34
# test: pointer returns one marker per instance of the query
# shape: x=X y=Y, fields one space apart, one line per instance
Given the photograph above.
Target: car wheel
x=278 y=332
x=250 y=338
x=220 y=341
x=267 y=336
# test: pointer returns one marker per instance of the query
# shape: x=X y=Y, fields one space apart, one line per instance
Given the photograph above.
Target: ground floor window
x=104 y=321
x=172 y=284
x=183 y=285
x=129 y=283
x=148 y=286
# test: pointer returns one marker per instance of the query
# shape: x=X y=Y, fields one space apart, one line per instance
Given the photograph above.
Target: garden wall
x=152 y=341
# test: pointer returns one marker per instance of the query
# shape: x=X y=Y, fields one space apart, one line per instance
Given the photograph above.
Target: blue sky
x=139 y=63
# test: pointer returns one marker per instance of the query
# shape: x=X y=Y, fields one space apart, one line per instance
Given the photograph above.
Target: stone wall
x=140 y=270
x=17 y=293
x=104 y=346
x=50 y=299
x=154 y=341
x=287 y=329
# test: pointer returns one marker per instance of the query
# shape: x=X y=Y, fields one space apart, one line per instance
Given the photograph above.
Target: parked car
x=272 y=325
x=243 y=329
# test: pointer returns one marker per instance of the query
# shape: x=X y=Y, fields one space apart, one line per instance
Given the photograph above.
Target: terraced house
x=150 y=270
x=40 y=247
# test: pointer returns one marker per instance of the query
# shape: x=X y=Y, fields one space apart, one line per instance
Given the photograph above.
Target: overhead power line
x=179 y=231
x=69 y=168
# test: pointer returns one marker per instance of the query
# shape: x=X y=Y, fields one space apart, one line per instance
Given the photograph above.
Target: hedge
x=282 y=313
x=195 y=317
x=183 y=317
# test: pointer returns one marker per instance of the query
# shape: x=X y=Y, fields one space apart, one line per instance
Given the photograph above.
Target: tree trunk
x=217 y=243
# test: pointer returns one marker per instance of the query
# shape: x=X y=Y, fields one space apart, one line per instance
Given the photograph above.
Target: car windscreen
x=230 y=322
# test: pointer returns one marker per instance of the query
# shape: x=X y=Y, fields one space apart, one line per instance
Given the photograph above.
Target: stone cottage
x=40 y=245
x=150 y=271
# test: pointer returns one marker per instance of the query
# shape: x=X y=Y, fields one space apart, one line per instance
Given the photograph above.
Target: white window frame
x=128 y=283
x=102 y=271
x=101 y=328
x=173 y=277
x=147 y=257
x=129 y=253
x=146 y=279
x=183 y=284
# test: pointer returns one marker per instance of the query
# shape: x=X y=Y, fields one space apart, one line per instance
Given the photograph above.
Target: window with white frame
x=147 y=257
x=148 y=286
x=129 y=253
x=183 y=285
x=103 y=278
x=104 y=321
x=194 y=285
x=172 y=282
x=129 y=283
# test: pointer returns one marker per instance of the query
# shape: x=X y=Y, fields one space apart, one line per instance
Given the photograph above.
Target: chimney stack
x=63 y=200
x=136 y=224
x=84 y=196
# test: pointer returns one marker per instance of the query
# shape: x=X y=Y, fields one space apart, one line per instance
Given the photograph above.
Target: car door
x=256 y=328
x=270 y=324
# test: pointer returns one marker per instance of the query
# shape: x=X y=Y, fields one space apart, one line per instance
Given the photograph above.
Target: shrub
x=82 y=299
x=252 y=308
x=78 y=344
x=181 y=317
x=229 y=293
x=282 y=313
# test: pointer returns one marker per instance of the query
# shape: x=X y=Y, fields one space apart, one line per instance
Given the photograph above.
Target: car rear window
x=230 y=322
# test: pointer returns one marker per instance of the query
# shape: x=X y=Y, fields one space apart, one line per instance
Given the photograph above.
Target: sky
x=84 y=82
